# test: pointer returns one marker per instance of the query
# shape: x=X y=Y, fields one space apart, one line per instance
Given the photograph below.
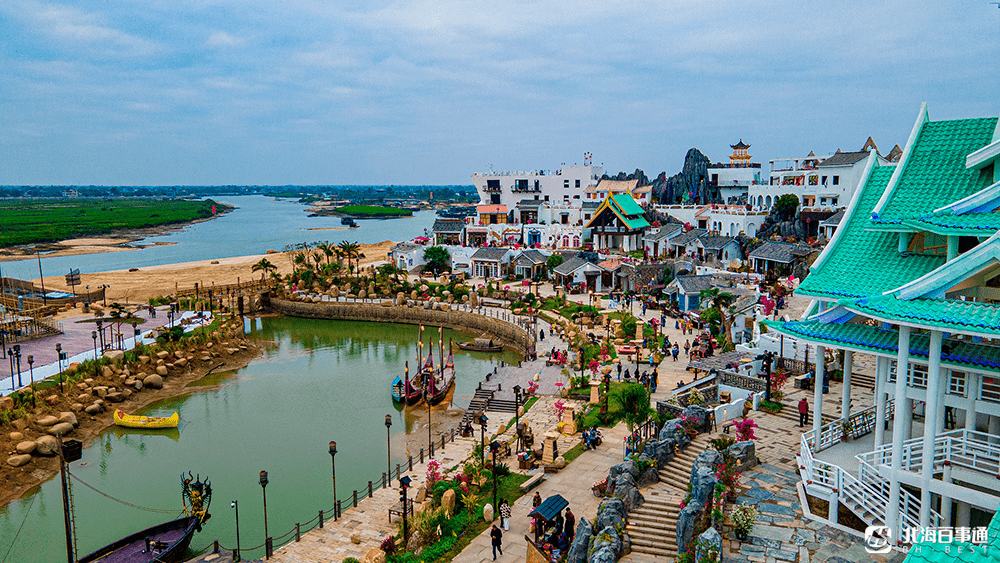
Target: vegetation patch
x=372 y=211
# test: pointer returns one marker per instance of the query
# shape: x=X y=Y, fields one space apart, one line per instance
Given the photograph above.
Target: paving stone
x=775 y=509
x=750 y=549
x=783 y=555
x=765 y=542
x=773 y=533
x=759 y=493
x=807 y=535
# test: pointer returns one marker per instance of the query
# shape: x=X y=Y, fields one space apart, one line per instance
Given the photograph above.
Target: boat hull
x=176 y=534
x=134 y=421
x=473 y=347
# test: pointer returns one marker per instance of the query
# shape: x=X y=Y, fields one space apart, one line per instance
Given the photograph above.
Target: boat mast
x=441 y=349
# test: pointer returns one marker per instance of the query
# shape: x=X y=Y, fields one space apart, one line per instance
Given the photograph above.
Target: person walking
x=536 y=500
x=803 y=412
x=505 y=515
x=675 y=352
x=570 y=525
x=496 y=536
x=619 y=372
x=687 y=347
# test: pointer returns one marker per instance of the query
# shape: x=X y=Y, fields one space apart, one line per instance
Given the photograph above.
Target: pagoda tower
x=740 y=158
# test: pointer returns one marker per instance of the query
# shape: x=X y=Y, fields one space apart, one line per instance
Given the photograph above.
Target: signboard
x=73 y=279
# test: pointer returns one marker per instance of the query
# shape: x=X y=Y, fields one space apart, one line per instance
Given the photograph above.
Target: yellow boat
x=136 y=421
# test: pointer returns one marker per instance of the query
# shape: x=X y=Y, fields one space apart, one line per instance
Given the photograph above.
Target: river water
x=257 y=225
x=318 y=381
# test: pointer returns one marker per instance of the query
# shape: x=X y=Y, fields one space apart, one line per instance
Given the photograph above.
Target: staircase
x=653 y=526
x=501 y=405
x=480 y=401
x=863 y=381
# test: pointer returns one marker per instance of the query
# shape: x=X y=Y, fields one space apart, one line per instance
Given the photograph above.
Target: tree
x=632 y=400
x=350 y=250
x=327 y=250
x=720 y=301
x=553 y=262
x=437 y=259
x=264 y=266
x=786 y=205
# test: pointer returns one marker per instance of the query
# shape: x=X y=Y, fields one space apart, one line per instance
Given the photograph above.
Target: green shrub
x=434 y=552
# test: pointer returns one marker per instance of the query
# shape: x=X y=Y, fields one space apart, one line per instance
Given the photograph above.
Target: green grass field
x=360 y=210
x=51 y=220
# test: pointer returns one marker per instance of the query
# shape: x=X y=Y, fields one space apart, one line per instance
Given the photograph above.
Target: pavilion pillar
x=934 y=398
x=881 y=370
x=845 y=401
x=994 y=428
x=971 y=392
x=818 y=397
x=893 y=517
x=946 y=501
x=952 y=247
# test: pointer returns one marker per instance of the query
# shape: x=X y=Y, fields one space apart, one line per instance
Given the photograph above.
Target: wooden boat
x=481 y=345
x=405 y=391
x=438 y=386
x=164 y=543
x=135 y=421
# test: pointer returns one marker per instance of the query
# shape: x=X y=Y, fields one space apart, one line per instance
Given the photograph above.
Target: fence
x=635 y=440
x=795 y=367
x=336 y=513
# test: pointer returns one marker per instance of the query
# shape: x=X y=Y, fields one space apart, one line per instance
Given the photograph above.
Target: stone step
x=654 y=546
x=652 y=526
x=654 y=538
x=654 y=551
x=652 y=515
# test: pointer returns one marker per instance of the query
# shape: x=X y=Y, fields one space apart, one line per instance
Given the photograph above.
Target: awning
x=549 y=508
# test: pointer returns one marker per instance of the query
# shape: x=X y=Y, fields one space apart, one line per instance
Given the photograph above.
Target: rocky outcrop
x=690 y=185
x=745 y=454
x=700 y=416
x=674 y=430
x=577 y=552
x=709 y=541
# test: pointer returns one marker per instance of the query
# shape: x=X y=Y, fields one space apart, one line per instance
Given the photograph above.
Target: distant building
x=735 y=178
x=618 y=224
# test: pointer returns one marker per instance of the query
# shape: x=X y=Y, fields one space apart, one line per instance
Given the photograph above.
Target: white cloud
x=82 y=29
x=223 y=39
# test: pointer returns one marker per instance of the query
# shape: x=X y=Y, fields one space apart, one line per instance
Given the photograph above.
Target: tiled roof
x=834 y=219
x=845 y=158
x=525 y=203
x=533 y=255
x=490 y=254
x=404 y=247
x=963 y=354
x=591 y=204
x=626 y=204
x=448 y=226
x=694 y=284
x=947 y=223
x=870 y=260
x=571 y=265
x=783 y=252
x=664 y=232
x=935 y=173
x=617 y=186
x=946 y=314
x=610 y=264
x=713 y=242
x=491 y=209
x=684 y=239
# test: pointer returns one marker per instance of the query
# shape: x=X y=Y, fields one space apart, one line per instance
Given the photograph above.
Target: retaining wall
x=510 y=334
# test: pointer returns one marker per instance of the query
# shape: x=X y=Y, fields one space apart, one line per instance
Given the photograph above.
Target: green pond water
x=319 y=381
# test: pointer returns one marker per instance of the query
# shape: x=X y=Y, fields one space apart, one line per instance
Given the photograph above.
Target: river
x=258 y=224
x=318 y=381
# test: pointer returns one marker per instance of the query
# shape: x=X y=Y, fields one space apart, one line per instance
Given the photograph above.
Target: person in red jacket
x=803 y=412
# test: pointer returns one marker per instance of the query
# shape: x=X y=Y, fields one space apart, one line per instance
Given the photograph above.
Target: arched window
x=768 y=201
x=576 y=241
x=565 y=241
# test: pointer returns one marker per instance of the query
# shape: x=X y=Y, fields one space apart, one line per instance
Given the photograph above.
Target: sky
x=213 y=92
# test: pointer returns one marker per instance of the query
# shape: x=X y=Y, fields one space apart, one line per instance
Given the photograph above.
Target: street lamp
x=517 y=414
x=236 y=556
x=333 y=463
x=17 y=359
x=31 y=372
x=93 y=334
x=388 y=449
x=482 y=433
x=100 y=332
x=494 y=448
x=59 y=359
x=263 y=488
x=404 y=484
x=10 y=356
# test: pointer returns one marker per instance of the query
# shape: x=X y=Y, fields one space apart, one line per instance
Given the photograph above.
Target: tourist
x=496 y=535
x=675 y=352
x=537 y=500
x=569 y=525
x=505 y=515
x=803 y=412
x=558 y=521
x=626 y=374
x=687 y=348
x=541 y=334
x=619 y=372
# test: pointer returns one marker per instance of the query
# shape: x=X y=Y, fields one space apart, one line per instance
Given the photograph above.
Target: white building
x=564 y=185
x=725 y=220
x=735 y=178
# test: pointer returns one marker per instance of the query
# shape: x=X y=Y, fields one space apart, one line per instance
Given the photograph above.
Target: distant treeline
x=28 y=221
x=315 y=192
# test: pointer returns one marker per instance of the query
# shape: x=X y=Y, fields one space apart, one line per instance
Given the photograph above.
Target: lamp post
x=494 y=448
x=236 y=506
x=482 y=433
x=333 y=463
x=263 y=488
x=10 y=357
x=93 y=334
x=31 y=372
x=404 y=484
x=59 y=359
x=388 y=448
x=17 y=360
x=517 y=413
x=170 y=317
x=427 y=399
x=100 y=333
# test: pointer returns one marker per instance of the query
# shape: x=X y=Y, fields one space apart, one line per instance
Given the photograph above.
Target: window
x=836 y=180
x=520 y=185
x=495 y=199
x=956 y=385
x=537 y=186
x=565 y=218
x=822 y=201
x=824 y=180
x=578 y=183
x=715 y=178
x=586 y=216
x=577 y=196
x=833 y=201
x=546 y=198
x=565 y=183
x=990 y=390
x=917 y=376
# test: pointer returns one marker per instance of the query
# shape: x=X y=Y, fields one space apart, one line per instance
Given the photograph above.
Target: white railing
x=967 y=449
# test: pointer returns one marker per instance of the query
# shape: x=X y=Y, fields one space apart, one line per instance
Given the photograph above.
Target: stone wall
x=511 y=335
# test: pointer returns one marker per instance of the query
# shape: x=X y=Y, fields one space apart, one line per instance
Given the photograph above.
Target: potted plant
x=847 y=427
x=744 y=516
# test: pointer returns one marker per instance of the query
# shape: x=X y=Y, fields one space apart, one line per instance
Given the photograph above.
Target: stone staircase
x=480 y=401
x=653 y=526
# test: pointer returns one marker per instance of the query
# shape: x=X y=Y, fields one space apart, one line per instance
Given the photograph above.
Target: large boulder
x=707 y=458
x=18 y=460
x=700 y=416
x=703 y=482
x=68 y=417
x=577 y=552
x=650 y=476
x=611 y=512
x=488 y=512
x=448 y=501
x=674 y=430
x=47 y=420
x=745 y=454
x=607 y=541
x=709 y=541
x=662 y=451
x=686 y=522
x=114 y=355
x=153 y=381
x=46 y=445
x=627 y=491
x=25 y=447
x=627 y=466
x=61 y=429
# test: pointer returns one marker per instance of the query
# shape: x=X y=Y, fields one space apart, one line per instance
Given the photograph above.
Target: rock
x=114 y=355
x=116 y=397
x=68 y=417
x=92 y=409
x=178 y=354
x=686 y=521
x=700 y=416
x=89 y=381
x=77 y=407
x=137 y=384
x=83 y=397
x=51 y=400
x=15 y=436
x=606 y=545
x=181 y=362
x=627 y=466
x=46 y=445
x=162 y=354
x=206 y=358
x=745 y=455
x=19 y=424
x=18 y=460
x=709 y=539
x=61 y=429
x=72 y=368
x=374 y=555
x=626 y=490
x=559 y=462
x=144 y=360
x=448 y=501
x=611 y=513
x=662 y=451
x=648 y=477
x=6 y=404
x=161 y=370
x=416 y=543
x=673 y=429
x=488 y=512
x=26 y=447
x=47 y=420
x=355 y=538
x=108 y=372
x=100 y=391
x=577 y=552
x=387 y=303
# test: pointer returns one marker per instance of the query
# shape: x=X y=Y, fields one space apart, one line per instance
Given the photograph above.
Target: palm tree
x=632 y=399
x=327 y=250
x=264 y=266
x=350 y=250
x=721 y=302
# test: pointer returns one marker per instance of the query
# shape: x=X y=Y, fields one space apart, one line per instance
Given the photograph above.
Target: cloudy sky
x=212 y=92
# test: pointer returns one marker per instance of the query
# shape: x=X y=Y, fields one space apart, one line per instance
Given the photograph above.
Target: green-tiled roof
x=865 y=262
x=946 y=314
x=629 y=211
x=935 y=173
x=961 y=354
x=947 y=223
x=959 y=551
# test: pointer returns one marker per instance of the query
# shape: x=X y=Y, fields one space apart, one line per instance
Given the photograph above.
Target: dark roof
x=645 y=275
x=688 y=237
x=664 y=232
x=529 y=203
x=404 y=247
x=591 y=204
x=694 y=284
x=490 y=254
x=533 y=255
x=783 y=252
x=740 y=145
x=571 y=265
x=834 y=219
x=845 y=158
x=448 y=226
x=550 y=507
x=714 y=242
